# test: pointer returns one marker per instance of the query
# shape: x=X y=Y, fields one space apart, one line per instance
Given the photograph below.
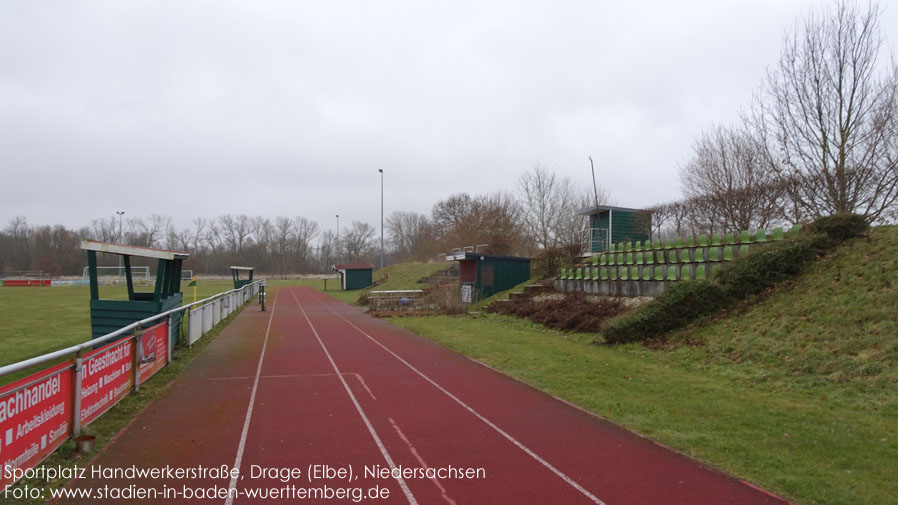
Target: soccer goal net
x=137 y=273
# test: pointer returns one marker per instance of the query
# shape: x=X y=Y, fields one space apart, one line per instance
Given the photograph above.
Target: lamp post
x=381 y=217
x=120 y=214
x=338 y=237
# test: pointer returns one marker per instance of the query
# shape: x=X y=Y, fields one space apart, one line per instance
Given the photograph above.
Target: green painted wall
x=625 y=226
x=358 y=279
x=496 y=274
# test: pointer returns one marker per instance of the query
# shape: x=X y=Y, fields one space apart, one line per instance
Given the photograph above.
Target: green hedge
x=687 y=301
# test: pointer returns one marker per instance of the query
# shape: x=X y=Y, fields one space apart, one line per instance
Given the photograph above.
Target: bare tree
x=731 y=182
x=542 y=205
x=105 y=230
x=147 y=233
x=358 y=242
x=829 y=114
x=448 y=213
x=411 y=235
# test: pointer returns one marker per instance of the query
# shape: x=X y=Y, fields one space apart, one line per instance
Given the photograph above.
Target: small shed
x=613 y=225
x=107 y=316
x=355 y=276
x=238 y=282
x=483 y=275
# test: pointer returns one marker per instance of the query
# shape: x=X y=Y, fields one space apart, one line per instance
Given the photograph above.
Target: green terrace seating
x=630 y=258
x=672 y=257
x=715 y=269
x=678 y=243
x=646 y=273
x=730 y=238
x=794 y=229
x=668 y=244
x=604 y=274
x=728 y=253
x=743 y=249
x=649 y=258
x=714 y=254
x=658 y=245
x=745 y=237
x=594 y=259
x=579 y=274
x=659 y=273
x=638 y=245
x=689 y=242
x=595 y=274
x=672 y=273
x=699 y=255
x=603 y=259
x=620 y=259
x=563 y=273
x=700 y=273
x=640 y=258
x=716 y=240
x=634 y=273
x=684 y=256
x=614 y=274
x=702 y=241
x=777 y=234
x=623 y=274
x=761 y=235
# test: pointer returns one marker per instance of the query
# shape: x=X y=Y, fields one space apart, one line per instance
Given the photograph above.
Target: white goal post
x=137 y=272
x=186 y=275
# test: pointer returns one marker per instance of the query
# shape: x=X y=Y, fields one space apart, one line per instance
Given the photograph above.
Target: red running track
x=314 y=381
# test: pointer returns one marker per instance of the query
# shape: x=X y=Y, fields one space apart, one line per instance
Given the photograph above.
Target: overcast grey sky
x=200 y=108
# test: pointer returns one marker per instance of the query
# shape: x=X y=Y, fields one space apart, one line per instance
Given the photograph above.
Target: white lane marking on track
x=423 y=463
x=478 y=415
x=358 y=407
x=249 y=410
x=297 y=376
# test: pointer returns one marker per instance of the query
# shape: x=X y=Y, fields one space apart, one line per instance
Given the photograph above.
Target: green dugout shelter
x=483 y=275
x=613 y=225
x=109 y=315
x=355 y=276
x=238 y=282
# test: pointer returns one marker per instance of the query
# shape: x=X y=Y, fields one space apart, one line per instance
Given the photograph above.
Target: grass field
x=38 y=320
x=796 y=393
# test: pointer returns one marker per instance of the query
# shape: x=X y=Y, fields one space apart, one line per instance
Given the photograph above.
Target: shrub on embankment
x=687 y=301
x=571 y=312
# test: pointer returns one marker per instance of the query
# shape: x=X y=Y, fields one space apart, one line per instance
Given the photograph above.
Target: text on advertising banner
x=152 y=354
x=106 y=378
x=35 y=413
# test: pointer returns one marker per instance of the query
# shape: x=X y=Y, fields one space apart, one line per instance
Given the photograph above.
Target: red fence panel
x=35 y=419
x=152 y=354
x=106 y=378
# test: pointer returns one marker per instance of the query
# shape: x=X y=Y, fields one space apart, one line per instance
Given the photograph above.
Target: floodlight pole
x=338 y=237
x=381 y=217
x=120 y=214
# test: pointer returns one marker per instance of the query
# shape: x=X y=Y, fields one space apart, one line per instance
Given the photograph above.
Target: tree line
x=541 y=214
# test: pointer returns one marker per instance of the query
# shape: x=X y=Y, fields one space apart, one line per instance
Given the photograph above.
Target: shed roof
x=354 y=266
x=132 y=250
x=480 y=256
x=595 y=209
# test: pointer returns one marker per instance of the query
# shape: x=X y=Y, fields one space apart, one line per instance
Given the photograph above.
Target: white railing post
x=76 y=395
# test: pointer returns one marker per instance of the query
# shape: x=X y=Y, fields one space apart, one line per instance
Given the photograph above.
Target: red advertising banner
x=152 y=354
x=106 y=378
x=35 y=413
